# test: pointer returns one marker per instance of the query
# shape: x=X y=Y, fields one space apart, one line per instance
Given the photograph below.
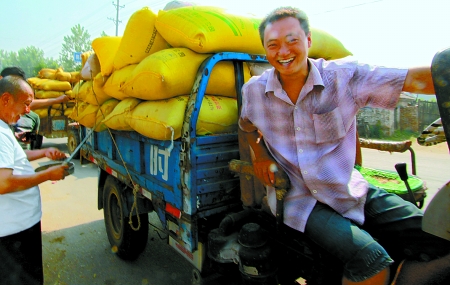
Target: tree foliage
x=30 y=59
x=78 y=41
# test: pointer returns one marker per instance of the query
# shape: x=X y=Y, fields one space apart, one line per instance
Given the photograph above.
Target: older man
x=20 y=204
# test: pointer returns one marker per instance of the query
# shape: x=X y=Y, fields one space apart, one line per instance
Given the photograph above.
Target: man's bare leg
x=382 y=278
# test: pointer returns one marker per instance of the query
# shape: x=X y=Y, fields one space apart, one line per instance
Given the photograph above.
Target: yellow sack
x=171 y=72
x=106 y=48
x=209 y=30
x=96 y=96
x=139 y=40
x=42 y=94
x=104 y=110
x=68 y=112
x=163 y=119
x=61 y=75
x=47 y=73
x=88 y=117
x=217 y=115
x=326 y=46
x=75 y=76
x=113 y=85
x=84 y=90
x=44 y=112
x=49 y=84
x=77 y=110
x=117 y=119
x=69 y=93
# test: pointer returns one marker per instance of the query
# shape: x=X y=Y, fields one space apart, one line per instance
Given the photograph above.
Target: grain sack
x=326 y=46
x=117 y=119
x=49 y=84
x=84 y=91
x=69 y=93
x=78 y=110
x=106 y=48
x=163 y=119
x=68 y=112
x=43 y=94
x=139 y=40
x=209 y=30
x=91 y=68
x=203 y=29
x=75 y=76
x=88 y=117
x=44 y=112
x=171 y=72
x=96 y=96
x=47 y=73
x=114 y=83
x=217 y=115
x=105 y=109
x=61 y=75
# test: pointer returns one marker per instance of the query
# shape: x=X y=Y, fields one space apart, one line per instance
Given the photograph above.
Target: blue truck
x=215 y=219
x=186 y=181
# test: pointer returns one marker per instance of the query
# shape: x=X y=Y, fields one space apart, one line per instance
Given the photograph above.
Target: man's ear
x=5 y=97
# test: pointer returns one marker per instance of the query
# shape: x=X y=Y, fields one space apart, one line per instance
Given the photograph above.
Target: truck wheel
x=37 y=144
x=73 y=140
x=125 y=242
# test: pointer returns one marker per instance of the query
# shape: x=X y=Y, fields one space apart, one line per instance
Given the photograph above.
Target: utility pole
x=117 y=21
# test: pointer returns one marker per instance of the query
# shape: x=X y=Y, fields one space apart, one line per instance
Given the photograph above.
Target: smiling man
x=20 y=202
x=305 y=110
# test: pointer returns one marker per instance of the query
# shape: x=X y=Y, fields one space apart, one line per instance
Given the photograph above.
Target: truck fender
x=143 y=205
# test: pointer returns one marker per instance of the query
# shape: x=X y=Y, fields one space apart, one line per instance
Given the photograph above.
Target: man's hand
x=265 y=169
x=58 y=172
x=62 y=99
x=54 y=153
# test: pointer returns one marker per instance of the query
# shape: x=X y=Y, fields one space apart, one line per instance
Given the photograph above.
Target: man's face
x=17 y=107
x=286 y=46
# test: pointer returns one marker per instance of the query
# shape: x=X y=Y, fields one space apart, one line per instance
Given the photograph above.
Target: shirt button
x=305 y=172
x=295 y=107
x=298 y=128
x=300 y=150
x=314 y=191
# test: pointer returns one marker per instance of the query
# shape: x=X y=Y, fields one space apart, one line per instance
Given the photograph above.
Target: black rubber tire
x=73 y=140
x=127 y=243
x=37 y=144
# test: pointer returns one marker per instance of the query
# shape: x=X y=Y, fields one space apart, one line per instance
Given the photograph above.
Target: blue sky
x=384 y=32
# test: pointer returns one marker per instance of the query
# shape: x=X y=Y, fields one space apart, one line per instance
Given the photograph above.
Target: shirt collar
x=274 y=85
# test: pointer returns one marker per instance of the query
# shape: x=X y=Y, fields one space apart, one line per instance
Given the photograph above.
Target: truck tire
x=127 y=243
x=73 y=140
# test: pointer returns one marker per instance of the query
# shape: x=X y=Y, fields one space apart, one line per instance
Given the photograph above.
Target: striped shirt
x=314 y=140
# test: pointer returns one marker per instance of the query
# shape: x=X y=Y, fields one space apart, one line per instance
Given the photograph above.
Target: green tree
x=30 y=59
x=78 y=41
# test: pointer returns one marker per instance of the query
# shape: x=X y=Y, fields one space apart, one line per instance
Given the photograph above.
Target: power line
x=117 y=21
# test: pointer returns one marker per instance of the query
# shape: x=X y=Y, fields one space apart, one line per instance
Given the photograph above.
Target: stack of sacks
x=92 y=103
x=52 y=83
x=153 y=81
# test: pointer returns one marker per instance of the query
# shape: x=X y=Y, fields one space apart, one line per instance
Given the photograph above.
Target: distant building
x=405 y=116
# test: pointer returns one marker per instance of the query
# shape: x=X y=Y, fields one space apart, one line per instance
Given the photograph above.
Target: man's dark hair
x=11 y=84
x=13 y=70
x=281 y=13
